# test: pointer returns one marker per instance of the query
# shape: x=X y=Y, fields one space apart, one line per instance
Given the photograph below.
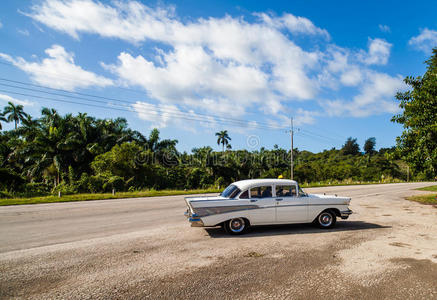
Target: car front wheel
x=326 y=219
x=236 y=226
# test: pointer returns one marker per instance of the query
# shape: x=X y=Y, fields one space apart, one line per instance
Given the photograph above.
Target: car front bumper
x=345 y=214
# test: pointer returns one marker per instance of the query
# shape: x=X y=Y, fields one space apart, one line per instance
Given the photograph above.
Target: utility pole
x=291 y=154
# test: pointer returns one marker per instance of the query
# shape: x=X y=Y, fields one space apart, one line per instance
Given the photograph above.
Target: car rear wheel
x=326 y=219
x=236 y=226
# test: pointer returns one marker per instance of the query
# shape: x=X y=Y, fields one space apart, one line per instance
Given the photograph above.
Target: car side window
x=244 y=195
x=285 y=191
x=261 y=192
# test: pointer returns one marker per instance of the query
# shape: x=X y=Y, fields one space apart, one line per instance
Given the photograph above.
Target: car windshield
x=230 y=192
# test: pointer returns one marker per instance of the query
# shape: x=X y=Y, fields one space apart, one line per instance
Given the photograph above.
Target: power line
x=55 y=75
x=192 y=118
x=312 y=137
x=320 y=136
x=154 y=108
x=120 y=100
x=330 y=132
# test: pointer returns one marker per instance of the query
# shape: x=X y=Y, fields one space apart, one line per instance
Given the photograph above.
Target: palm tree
x=223 y=138
x=2 y=119
x=50 y=116
x=15 y=113
x=29 y=128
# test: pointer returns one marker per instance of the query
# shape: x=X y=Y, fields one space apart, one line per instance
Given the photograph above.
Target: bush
x=37 y=189
x=95 y=183
x=9 y=180
x=220 y=183
x=65 y=189
x=4 y=195
x=82 y=185
x=114 y=182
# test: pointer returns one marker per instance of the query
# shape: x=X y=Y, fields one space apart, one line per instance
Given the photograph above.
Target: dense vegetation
x=79 y=154
x=418 y=143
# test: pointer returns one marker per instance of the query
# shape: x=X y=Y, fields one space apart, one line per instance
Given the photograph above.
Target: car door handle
x=279 y=199
x=253 y=200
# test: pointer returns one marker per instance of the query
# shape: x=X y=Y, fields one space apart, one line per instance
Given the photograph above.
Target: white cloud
x=8 y=98
x=162 y=115
x=378 y=53
x=1 y=24
x=293 y=24
x=375 y=97
x=303 y=117
x=24 y=32
x=58 y=70
x=229 y=46
x=135 y=22
x=224 y=66
x=351 y=77
x=129 y=21
x=425 y=41
x=384 y=28
x=221 y=62
x=159 y=116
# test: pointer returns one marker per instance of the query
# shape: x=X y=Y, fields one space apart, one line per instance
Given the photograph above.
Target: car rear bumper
x=193 y=219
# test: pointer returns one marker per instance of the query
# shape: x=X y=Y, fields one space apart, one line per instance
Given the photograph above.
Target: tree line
x=79 y=153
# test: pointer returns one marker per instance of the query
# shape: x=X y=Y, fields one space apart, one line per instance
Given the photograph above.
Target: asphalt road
x=145 y=248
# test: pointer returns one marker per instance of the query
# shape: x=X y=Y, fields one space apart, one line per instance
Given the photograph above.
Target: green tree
x=418 y=142
x=155 y=144
x=2 y=119
x=369 y=145
x=223 y=138
x=14 y=113
x=351 y=147
x=29 y=128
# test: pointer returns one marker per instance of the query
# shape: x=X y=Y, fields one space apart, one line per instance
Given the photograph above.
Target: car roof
x=248 y=183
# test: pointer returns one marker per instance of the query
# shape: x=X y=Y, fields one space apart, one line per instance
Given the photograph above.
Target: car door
x=290 y=208
x=265 y=213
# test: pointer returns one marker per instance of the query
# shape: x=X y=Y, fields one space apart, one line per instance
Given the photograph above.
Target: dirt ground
x=145 y=248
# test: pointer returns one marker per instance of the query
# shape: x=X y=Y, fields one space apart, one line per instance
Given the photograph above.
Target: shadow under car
x=290 y=229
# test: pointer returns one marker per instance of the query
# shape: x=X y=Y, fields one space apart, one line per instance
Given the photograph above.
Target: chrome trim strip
x=222 y=199
x=327 y=204
x=215 y=210
x=200 y=196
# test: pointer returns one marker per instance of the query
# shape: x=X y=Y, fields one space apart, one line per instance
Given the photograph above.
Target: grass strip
x=88 y=197
x=430 y=199
x=432 y=188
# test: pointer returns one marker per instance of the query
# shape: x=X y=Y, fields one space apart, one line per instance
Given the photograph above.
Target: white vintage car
x=263 y=202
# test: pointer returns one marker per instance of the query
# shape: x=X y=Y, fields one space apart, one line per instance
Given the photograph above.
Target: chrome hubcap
x=325 y=219
x=237 y=225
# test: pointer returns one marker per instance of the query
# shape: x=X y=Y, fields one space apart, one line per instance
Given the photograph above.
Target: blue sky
x=192 y=68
